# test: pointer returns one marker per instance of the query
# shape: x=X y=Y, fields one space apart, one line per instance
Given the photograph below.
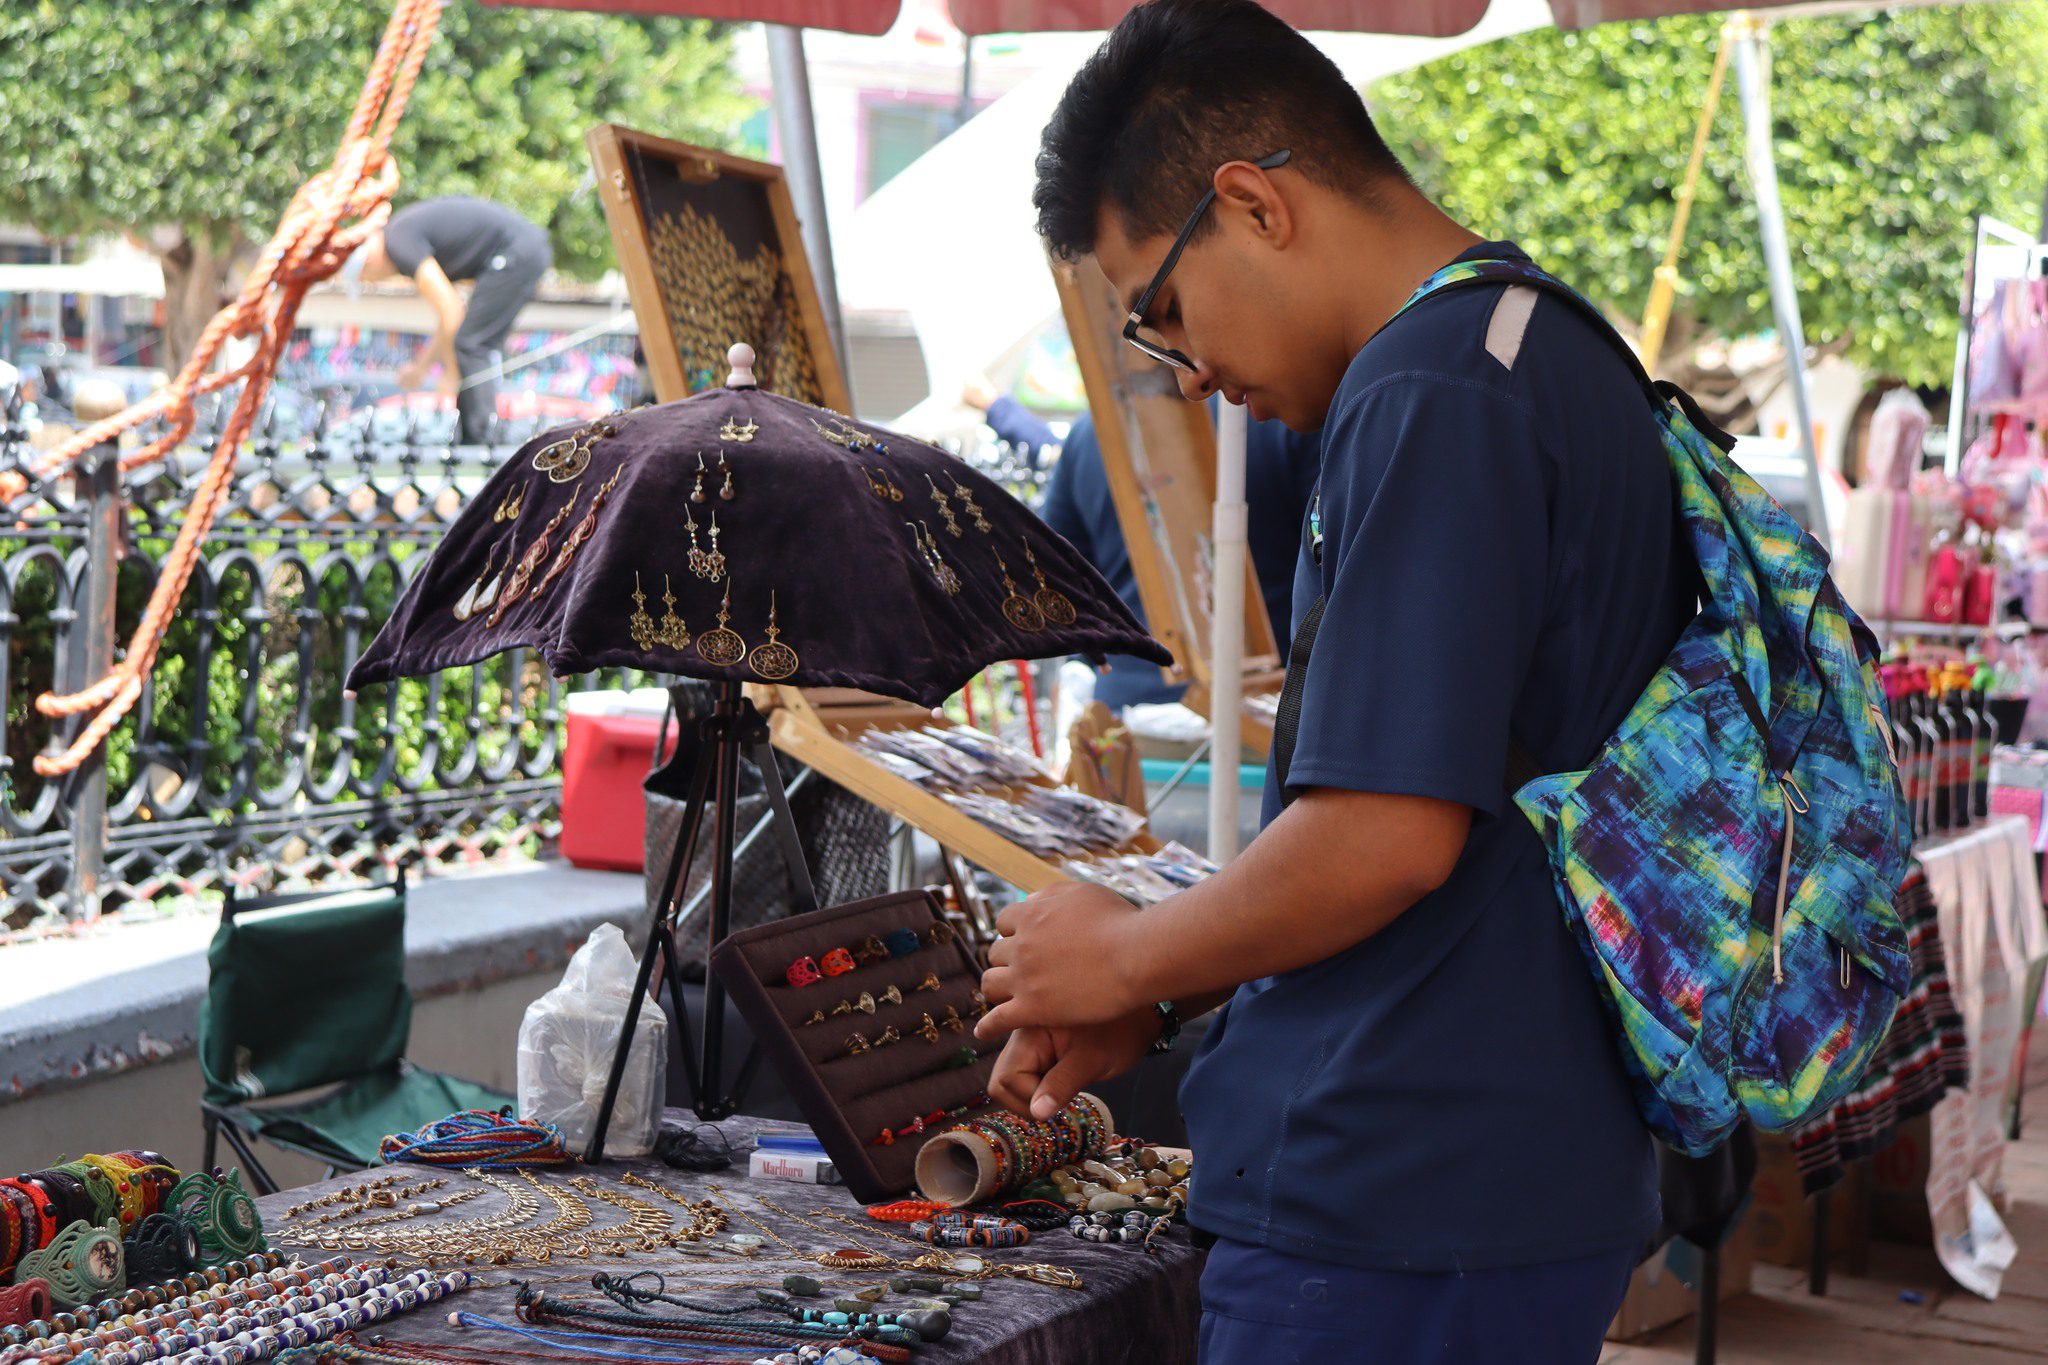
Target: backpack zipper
x=1788 y=787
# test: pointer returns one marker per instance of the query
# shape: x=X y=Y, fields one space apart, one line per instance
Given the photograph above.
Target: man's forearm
x=1330 y=872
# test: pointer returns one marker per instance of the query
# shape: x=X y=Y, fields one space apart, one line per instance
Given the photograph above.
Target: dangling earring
x=722 y=648
x=726 y=491
x=697 y=493
x=942 y=572
x=487 y=596
x=775 y=660
x=467 y=605
x=875 y=486
x=1018 y=610
x=508 y=506
x=536 y=553
x=967 y=505
x=640 y=623
x=945 y=509
x=1049 y=600
x=699 y=561
x=714 y=563
x=577 y=537
x=895 y=493
x=672 y=632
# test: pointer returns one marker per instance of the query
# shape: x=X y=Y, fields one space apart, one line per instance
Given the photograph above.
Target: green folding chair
x=306 y=993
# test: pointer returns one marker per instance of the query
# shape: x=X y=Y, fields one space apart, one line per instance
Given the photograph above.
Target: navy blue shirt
x=1280 y=472
x=1500 y=552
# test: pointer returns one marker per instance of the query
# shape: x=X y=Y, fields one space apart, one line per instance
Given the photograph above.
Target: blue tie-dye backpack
x=1728 y=861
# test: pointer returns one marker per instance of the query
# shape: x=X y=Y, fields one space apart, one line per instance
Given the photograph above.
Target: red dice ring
x=838 y=962
x=803 y=972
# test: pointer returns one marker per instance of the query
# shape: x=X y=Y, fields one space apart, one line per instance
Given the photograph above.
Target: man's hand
x=1064 y=959
x=413 y=373
x=1041 y=1069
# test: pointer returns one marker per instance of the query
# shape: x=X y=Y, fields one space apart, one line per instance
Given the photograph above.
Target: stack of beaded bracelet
x=957 y=1229
x=809 y=971
x=1024 y=1150
x=114 y=1192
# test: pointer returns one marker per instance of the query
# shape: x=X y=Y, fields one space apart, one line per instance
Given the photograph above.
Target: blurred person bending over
x=436 y=243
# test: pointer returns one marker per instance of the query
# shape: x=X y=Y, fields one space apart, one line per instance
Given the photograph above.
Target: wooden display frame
x=817 y=727
x=1159 y=451
x=624 y=159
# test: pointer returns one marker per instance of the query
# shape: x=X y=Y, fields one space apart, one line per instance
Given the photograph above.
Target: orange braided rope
x=310 y=245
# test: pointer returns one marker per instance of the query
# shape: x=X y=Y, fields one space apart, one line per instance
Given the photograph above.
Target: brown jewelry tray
x=848 y=1100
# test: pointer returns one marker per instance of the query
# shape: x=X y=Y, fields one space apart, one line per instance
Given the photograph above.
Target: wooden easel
x=818 y=726
x=1159 y=451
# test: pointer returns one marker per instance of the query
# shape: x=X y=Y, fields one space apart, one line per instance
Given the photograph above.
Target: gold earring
x=1018 y=610
x=968 y=505
x=775 y=660
x=722 y=648
x=739 y=432
x=640 y=623
x=672 y=632
x=945 y=509
x=1050 y=600
x=714 y=563
x=699 y=561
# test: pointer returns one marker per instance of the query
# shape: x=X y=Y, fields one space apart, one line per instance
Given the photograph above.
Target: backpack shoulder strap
x=1522 y=766
x=1470 y=274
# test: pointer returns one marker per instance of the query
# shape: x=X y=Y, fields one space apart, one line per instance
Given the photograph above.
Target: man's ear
x=1244 y=188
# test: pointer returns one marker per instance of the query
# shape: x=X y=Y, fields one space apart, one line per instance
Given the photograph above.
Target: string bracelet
x=481 y=1139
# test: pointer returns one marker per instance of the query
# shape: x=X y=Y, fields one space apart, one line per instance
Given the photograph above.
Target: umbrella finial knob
x=741 y=358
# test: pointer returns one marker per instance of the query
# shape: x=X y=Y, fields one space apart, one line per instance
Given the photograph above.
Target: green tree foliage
x=1893 y=131
x=191 y=122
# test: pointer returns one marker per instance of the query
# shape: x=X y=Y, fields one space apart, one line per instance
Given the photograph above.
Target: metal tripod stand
x=733 y=732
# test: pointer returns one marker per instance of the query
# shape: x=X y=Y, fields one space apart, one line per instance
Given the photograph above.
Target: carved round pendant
x=1054 y=605
x=721 y=648
x=1022 y=613
x=773 y=661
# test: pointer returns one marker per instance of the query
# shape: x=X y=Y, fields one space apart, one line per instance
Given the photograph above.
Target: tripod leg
x=803 y=895
x=657 y=935
x=713 y=1103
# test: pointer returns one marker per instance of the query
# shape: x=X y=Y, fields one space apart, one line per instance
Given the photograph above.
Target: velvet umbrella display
x=740 y=536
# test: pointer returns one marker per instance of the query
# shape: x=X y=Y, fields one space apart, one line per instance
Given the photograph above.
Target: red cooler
x=609 y=748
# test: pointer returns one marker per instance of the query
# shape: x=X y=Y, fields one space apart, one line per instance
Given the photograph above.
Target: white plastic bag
x=566 y=1043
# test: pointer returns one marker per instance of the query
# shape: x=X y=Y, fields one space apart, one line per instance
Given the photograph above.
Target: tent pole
x=790 y=78
x=1752 y=77
x=1226 y=634
x=1664 y=284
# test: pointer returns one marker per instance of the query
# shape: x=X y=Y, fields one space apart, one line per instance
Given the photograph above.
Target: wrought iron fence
x=242 y=750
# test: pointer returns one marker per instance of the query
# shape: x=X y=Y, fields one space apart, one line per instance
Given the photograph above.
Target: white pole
x=1226 y=634
x=789 y=76
x=1752 y=75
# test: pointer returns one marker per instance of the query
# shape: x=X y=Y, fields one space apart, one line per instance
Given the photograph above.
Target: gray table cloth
x=1134 y=1309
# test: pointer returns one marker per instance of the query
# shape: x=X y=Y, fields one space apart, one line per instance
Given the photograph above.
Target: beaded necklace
x=220 y=1280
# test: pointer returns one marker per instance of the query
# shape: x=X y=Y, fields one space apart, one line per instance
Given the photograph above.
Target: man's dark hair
x=1179 y=88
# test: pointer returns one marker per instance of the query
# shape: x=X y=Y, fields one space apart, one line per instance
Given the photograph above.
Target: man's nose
x=1197 y=385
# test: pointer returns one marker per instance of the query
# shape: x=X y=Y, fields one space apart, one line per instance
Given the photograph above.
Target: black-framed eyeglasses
x=1134 y=325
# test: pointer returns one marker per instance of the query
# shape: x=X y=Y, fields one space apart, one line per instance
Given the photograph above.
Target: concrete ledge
x=128 y=995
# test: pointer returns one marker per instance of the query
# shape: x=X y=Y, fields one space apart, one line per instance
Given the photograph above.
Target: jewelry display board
x=711 y=252
x=1159 y=451
x=824 y=729
x=878 y=1044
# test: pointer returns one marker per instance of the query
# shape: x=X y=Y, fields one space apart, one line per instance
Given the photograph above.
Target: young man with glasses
x=1413 y=1133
